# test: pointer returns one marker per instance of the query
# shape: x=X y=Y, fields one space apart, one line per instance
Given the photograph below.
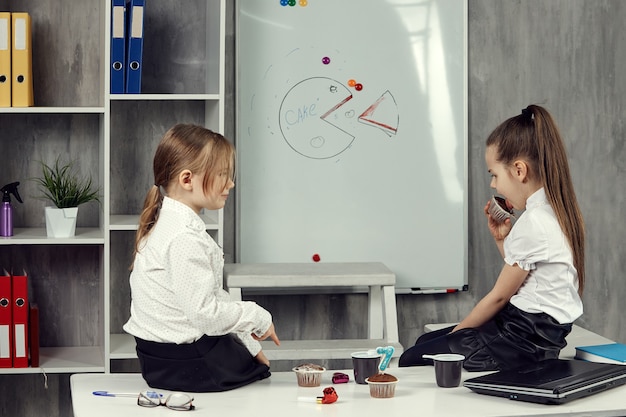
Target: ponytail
x=556 y=178
x=149 y=216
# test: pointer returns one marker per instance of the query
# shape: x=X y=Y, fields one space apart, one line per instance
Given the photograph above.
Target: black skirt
x=210 y=364
x=512 y=338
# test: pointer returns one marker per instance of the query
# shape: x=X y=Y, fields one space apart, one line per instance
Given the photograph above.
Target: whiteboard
x=352 y=136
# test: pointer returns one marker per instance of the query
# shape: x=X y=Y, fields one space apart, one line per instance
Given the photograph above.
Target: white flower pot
x=61 y=222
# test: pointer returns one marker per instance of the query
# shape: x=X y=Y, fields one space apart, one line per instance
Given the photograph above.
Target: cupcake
x=498 y=209
x=382 y=385
x=309 y=374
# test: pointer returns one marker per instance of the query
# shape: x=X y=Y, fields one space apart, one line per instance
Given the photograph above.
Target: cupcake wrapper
x=306 y=379
x=497 y=212
x=382 y=390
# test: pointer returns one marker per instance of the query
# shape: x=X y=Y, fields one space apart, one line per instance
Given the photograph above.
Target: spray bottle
x=6 y=210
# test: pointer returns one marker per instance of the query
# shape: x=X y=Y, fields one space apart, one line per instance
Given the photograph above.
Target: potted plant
x=66 y=189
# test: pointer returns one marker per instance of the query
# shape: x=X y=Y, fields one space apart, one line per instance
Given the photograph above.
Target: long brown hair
x=184 y=146
x=534 y=136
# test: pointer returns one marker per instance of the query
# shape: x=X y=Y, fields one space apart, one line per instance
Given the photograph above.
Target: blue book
x=134 y=45
x=118 y=46
x=610 y=353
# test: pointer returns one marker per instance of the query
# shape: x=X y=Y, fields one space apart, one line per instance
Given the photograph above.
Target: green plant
x=61 y=184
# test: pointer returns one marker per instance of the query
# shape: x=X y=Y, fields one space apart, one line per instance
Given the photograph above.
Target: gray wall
x=569 y=56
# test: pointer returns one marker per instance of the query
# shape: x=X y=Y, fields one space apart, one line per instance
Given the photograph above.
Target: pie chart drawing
x=313 y=118
x=383 y=114
x=317 y=117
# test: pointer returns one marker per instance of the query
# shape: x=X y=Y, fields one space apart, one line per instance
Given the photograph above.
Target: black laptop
x=554 y=381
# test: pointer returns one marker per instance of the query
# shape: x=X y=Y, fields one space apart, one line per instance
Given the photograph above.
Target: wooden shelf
x=52 y=110
x=38 y=236
x=161 y=97
x=64 y=360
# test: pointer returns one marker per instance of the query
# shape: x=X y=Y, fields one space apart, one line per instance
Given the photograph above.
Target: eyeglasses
x=175 y=401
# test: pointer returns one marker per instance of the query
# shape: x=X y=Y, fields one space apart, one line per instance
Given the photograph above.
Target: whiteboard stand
x=382 y=313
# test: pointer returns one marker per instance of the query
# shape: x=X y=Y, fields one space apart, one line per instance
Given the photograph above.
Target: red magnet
x=326 y=60
x=358 y=87
x=330 y=396
x=316 y=258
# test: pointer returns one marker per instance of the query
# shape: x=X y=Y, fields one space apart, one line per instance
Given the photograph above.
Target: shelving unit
x=81 y=283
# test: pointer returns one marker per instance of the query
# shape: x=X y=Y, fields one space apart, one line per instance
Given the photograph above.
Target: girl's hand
x=498 y=230
x=271 y=333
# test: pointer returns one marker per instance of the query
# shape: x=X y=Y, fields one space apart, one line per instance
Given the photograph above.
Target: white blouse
x=537 y=244
x=177 y=286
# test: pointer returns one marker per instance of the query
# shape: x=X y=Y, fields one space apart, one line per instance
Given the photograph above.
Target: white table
x=416 y=394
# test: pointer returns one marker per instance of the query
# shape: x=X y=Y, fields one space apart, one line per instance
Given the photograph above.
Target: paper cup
x=448 y=367
x=364 y=364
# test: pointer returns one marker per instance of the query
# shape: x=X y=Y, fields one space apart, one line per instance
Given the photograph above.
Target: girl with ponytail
x=190 y=336
x=537 y=296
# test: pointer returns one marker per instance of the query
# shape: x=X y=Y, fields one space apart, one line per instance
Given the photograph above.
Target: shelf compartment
x=122 y=346
x=67 y=284
x=68 y=57
x=181 y=47
x=31 y=138
x=134 y=139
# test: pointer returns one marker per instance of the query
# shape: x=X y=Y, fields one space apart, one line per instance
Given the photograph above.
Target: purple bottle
x=6 y=210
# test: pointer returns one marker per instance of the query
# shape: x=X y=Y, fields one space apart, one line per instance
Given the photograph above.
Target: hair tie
x=528 y=113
